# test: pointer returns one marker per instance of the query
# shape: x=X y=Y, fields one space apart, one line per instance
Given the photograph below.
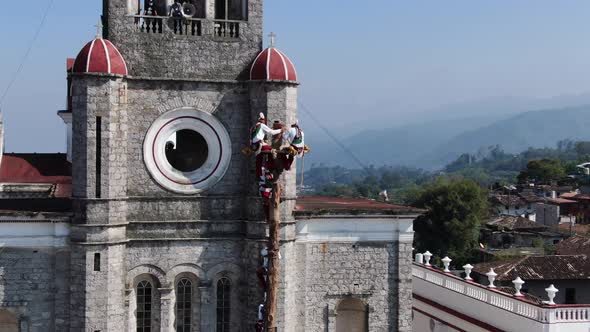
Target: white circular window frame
x=201 y=179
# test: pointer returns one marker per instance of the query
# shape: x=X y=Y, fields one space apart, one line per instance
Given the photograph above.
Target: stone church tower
x=165 y=205
x=152 y=222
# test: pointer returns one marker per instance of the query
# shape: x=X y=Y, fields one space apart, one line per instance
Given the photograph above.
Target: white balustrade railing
x=162 y=24
x=224 y=29
x=545 y=314
x=476 y=293
x=560 y=315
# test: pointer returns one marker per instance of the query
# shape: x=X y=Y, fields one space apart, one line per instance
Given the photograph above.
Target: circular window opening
x=186 y=150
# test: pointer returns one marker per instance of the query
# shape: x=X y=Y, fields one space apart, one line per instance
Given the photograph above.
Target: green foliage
x=583 y=148
x=492 y=164
x=538 y=242
x=542 y=171
x=336 y=190
x=488 y=167
x=455 y=210
x=400 y=182
x=549 y=249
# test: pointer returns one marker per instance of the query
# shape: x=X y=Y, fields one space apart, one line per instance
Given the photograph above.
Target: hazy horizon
x=379 y=65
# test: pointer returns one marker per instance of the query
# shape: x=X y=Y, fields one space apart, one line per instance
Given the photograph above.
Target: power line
x=24 y=58
x=334 y=138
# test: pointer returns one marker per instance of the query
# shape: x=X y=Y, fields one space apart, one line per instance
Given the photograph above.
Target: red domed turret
x=273 y=65
x=100 y=56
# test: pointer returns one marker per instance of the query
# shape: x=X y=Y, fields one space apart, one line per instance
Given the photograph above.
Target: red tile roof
x=527 y=296
x=100 y=56
x=515 y=223
x=508 y=200
x=38 y=168
x=530 y=197
x=70 y=64
x=272 y=64
x=336 y=205
x=551 y=267
x=560 y=201
x=568 y=195
x=575 y=245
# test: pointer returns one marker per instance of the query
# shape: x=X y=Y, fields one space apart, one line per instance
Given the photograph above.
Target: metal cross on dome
x=272 y=37
x=99 y=29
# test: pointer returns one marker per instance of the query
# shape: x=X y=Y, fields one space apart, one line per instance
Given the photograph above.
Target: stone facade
x=206 y=57
x=141 y=230
x=339 y=257
x=34 y=287
x=128 y=231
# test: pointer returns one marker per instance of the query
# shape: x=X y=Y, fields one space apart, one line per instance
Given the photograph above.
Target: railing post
x=427 y=256
x=468 y=268
x=551 y=292
x=207 y=28
x=419 y=258
x=446 y=262
x=518 y=286
x=491 y=277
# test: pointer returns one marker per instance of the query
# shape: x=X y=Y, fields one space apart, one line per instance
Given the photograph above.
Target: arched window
x=155 y=8
x=144 y=306
x=351 y=316
x=223 y=304
x=184 y=295
x=231 y=10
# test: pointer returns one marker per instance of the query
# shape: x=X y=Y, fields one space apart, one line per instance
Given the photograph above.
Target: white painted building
x=446 y=302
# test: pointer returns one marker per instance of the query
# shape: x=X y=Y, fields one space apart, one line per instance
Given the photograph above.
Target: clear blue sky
x=380 y=58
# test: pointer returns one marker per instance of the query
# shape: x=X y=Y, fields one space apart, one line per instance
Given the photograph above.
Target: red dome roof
x=272 y=64
x=100 y=56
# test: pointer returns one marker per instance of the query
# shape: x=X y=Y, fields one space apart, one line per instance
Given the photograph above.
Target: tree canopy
x=542 y=171
x=455 y=211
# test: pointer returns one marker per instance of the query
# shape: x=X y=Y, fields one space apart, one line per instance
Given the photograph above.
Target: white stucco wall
x=34 y=234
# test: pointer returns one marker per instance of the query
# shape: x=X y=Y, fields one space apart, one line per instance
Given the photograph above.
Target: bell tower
x=206 y=39
x=164 y=202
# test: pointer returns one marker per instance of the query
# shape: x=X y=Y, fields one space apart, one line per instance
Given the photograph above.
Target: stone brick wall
x=178 y=56
x=325 y=273
x=98 y=96
x=279 y=102
x=148 y=99
x=101 y=305
x=167 y=231
x=142 y=230
x=206 y=261
x=34 y=286
x=99 y=205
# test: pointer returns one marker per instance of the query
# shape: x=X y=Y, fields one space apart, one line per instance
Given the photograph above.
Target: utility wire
x=334 y=138
x=24 y=58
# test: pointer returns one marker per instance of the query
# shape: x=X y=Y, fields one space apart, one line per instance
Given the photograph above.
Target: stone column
x=167 y=298
x=130 y=306
x=24 y=325
x=207 y=310
x=404 y=293
x=98 y=231
x=331 y=316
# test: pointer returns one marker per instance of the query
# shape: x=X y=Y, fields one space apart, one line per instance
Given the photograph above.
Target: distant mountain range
x=433 y=143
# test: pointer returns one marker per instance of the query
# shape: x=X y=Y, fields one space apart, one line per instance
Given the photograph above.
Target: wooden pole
x=273 y=257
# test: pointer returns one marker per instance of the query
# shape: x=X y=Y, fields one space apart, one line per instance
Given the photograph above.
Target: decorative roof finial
x=272 y=37
x=99 y=29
